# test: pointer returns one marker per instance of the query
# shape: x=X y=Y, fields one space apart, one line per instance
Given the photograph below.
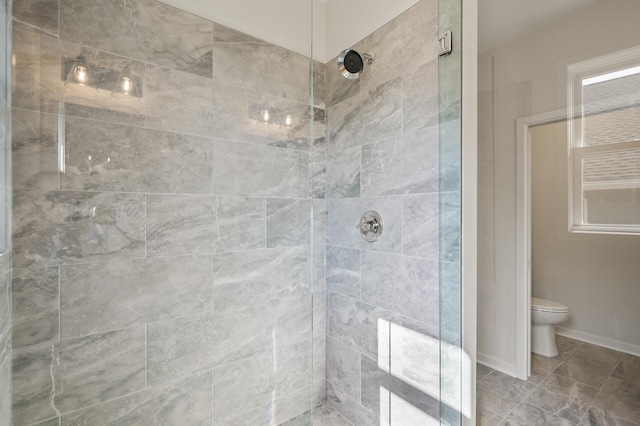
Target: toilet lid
x=547 y=305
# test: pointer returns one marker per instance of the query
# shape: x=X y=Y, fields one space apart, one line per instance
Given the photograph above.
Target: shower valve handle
x=370 y=226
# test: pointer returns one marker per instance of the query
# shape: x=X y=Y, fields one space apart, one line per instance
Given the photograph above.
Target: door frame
x=523 y=234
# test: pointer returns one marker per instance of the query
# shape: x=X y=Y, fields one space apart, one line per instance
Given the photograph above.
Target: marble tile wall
x=5 y=215
x=171 y=273
x=383 y=154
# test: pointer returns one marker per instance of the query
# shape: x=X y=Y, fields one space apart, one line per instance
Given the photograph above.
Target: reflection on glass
x=414 y=358
x=80 y=72
x=395 y=411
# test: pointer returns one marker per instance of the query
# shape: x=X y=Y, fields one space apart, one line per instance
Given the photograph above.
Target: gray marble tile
x=264 y=66
x=184 y=402
x=325 y=415
x=36 y=306
x=343 y=367
x=51 y=422
x=563 y=397
x=420 y=98
x=403 y=45
x=450 y=227
x=34 y=150
x=343 y=173
x=5 y=318
x=566 y=346
x=37 y=14
x=241 y=223
x=589 y=371
x=450 y=303
x=199 y=343
x=290 y=367
x=37 y=84
x=355 y=413
x=291 y=405
x=343 y=271
x=53 y=228
x=5 y=257
x=374 y=378
x=319 y=86
x=5 y=393
x=187 y=103
x=402 y=165
x=482 y=371
x=338 y=88
x=319 y=369
x=288 y=222
x=319 y=244
x=598 y=417
x=406 y=285
x=628 y=369
x=619 y=399
x=32 y=386
x=180 y=224
x=257 y=416
x=108 y=296
x=344 y=216
x=304 y=419
x=597 y=353
x=374 y=115
x=356 y=324
x=53 y=379
x=5 y=40
x=131 y=29
x=421 y=226
x=319 y=178
x=291 y=125
x=240 y=387
x=289 y=320
x=319 y=393
x=486 y=417
x=542 y=367
x=107 y=157
x=500 y=393
x=528 y=415
x=450 y=156
x=241 y=278
x=275 y=172
x=319 y=131
x=136 y=118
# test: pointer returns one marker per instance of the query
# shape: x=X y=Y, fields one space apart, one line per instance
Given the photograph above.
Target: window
x=604 y=144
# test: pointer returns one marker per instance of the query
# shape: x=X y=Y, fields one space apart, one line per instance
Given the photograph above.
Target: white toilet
x=545 y=314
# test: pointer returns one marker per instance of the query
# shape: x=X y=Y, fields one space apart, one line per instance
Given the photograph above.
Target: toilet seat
x=545 y=305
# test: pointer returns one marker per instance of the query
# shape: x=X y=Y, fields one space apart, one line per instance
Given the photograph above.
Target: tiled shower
x=185 y=251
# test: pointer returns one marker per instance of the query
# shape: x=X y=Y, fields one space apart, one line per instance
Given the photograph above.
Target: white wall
x=528 y=74
x=597 y=276
x=337 y=24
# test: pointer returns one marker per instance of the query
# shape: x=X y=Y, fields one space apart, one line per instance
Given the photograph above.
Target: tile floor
x=584 y=385
x=325 y=415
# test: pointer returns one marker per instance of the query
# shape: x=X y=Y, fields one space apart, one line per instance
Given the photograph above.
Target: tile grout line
x=586 y=413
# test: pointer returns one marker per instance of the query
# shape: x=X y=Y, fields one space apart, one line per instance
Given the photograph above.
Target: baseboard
x=496 y=364
x=598 y=341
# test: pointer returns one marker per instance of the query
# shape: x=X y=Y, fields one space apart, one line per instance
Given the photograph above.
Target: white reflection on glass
x=415 y=358
x=395 y=411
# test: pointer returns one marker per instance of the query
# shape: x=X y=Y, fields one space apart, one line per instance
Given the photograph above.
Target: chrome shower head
x=351 y=63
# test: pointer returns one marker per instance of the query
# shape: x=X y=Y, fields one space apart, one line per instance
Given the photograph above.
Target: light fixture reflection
x=80 y=72
x=288 y=120
x=126 y=84
x=265 y=115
